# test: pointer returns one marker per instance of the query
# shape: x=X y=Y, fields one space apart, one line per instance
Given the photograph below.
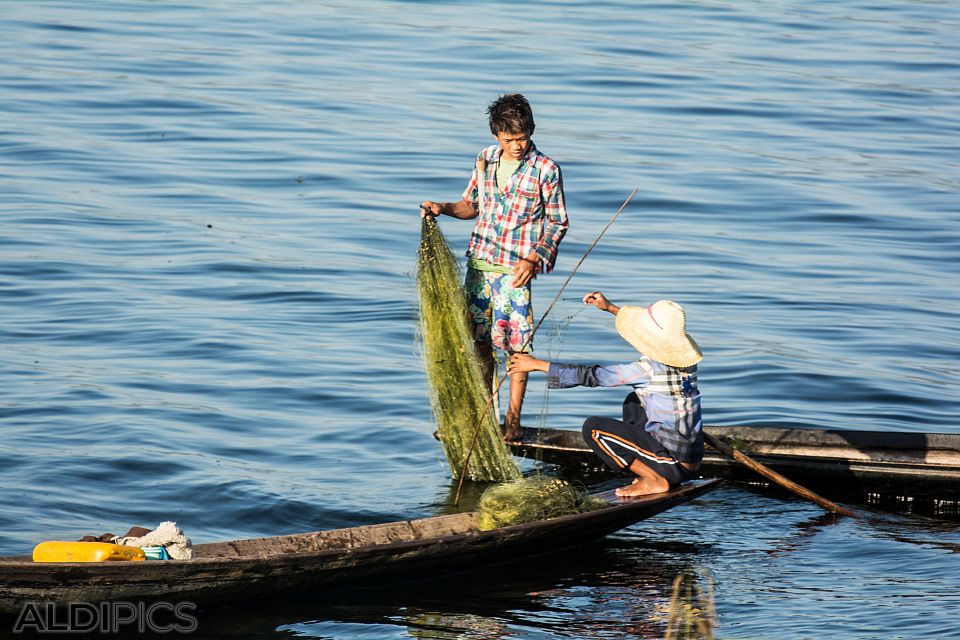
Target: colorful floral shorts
x=501 y=313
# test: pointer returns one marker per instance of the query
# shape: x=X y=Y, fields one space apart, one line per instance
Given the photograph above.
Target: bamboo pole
x=775 y=477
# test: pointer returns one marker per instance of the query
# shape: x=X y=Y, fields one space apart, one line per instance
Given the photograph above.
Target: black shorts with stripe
x=619 y=443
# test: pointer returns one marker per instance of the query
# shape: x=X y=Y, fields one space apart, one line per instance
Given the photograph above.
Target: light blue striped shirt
x=669 y=396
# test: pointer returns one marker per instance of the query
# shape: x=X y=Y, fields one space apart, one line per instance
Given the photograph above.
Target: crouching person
x=659 y=439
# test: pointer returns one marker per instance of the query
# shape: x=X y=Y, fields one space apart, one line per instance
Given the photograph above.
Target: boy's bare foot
x=643 y=487
x=511 y=430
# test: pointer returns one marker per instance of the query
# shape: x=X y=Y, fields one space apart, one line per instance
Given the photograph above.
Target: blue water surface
x=208 y=232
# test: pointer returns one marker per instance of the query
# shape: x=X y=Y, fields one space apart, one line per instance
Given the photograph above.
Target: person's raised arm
x=462 y=209
x=600 y=301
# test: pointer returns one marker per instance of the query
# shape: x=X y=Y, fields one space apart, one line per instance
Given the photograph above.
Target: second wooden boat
x=869 y=466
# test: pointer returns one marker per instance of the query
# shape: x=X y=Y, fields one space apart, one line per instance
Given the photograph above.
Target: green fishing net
x=532 y=499
x=458 y=391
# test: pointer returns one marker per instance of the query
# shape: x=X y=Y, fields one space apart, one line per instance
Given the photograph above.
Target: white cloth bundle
x=168 y=535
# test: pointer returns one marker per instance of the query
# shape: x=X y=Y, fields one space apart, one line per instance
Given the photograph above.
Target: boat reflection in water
x=619 y=587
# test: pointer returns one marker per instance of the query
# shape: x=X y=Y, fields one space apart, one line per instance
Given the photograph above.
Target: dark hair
x=511 y=113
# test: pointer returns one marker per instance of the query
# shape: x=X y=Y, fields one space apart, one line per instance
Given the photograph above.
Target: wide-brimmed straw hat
x=659 y=332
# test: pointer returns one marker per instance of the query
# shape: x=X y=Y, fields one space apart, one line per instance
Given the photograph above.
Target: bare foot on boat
x=643 y=487
x=511 y=430
x=646 y=483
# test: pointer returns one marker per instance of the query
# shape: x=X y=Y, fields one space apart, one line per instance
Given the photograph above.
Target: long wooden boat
x=870 y=465
x=372 y=555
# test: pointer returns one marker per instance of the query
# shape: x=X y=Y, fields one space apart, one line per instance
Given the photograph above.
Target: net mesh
x=458 y=392
x=531 y=499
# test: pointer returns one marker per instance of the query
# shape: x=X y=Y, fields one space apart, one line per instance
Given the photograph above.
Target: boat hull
x=376 y=555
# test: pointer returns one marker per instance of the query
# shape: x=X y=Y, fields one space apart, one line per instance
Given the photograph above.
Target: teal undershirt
x=506 y=169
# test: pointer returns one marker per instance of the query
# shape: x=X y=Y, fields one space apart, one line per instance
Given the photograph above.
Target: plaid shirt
x=669 y=396
x=529 y=215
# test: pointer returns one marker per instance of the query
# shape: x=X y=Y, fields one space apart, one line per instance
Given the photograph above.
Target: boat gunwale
x=753 y=441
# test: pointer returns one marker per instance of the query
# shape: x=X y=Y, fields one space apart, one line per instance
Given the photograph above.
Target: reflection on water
x=693 y=614
x=803 y=532
x=600 y=590
x=622 y=587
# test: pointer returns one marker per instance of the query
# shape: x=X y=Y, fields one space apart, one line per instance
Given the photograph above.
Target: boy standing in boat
x=516 y=196
x=660 y=439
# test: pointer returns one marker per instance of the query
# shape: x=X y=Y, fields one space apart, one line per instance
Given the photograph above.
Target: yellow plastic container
x=56 y=551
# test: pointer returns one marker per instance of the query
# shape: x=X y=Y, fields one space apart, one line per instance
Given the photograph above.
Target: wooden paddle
x=775 y=477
